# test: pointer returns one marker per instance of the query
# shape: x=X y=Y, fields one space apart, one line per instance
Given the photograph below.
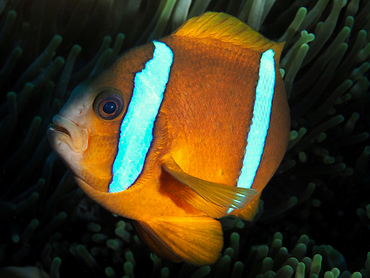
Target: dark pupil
x=109 y=107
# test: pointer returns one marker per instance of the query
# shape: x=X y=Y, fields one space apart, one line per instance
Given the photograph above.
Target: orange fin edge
x=228 y=29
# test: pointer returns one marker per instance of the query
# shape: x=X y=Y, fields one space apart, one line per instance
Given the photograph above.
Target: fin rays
x=229 y=29
x=218 y=194
x=196 y=240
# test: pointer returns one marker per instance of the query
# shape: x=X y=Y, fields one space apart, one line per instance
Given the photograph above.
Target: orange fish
x=180 y=132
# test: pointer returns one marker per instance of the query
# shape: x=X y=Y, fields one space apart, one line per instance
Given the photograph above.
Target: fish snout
x=68 y=132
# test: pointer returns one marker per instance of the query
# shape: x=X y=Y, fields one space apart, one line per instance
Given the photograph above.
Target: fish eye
x=109 y=104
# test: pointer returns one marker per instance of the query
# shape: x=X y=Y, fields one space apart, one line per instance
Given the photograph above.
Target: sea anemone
x=48 y=47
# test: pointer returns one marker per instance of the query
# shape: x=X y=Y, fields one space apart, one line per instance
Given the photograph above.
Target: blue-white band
x=136 y=132
x=261 y=120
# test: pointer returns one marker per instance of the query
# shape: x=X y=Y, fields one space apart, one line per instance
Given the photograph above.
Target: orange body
x=199 y=137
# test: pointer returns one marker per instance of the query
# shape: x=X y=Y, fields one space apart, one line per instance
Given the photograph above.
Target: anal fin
x=196 y=240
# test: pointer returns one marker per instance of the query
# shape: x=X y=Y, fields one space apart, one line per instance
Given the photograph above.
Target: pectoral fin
x=196 y=240
x=218 y=194
x=249 y=211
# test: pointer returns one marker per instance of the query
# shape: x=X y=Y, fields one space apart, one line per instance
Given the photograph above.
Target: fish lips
x=66 y=131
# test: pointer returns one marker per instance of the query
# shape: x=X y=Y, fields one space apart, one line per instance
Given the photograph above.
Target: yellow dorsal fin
x=196 y=240
x=218 y=194
x=229 y=29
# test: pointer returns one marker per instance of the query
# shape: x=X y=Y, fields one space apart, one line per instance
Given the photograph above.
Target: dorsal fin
x=228 y=29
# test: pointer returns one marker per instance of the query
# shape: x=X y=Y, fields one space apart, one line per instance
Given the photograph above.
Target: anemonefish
x=180 y=132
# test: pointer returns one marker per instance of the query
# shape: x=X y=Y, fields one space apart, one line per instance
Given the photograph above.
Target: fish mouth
x=66 y=131
x=59 y=128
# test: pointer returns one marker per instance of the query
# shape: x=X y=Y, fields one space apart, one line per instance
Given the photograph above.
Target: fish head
x=86 y=131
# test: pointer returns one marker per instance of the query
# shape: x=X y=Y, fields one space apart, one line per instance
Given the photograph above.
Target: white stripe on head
x=136 y=132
